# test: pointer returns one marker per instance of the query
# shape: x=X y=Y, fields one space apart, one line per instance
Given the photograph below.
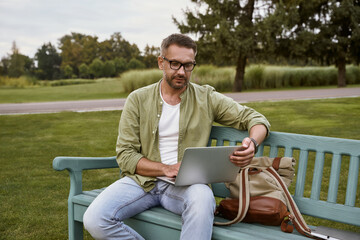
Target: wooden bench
x=320 y=160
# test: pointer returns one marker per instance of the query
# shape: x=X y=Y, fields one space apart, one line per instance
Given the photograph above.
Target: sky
x=31 y=23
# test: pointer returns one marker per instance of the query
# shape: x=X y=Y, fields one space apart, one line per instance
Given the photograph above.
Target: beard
x=174 y=82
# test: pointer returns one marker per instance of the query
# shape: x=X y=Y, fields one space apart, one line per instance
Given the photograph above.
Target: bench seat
x=160 y=223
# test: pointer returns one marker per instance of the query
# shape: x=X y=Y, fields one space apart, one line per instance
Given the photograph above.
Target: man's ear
x=160 y=62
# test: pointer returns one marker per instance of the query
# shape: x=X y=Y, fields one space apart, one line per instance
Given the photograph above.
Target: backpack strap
x=295 y=217
x=244 y=198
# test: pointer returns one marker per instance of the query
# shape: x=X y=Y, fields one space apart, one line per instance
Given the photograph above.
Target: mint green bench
x=319 y=159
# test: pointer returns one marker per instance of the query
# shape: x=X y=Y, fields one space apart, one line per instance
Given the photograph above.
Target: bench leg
x=75 y=228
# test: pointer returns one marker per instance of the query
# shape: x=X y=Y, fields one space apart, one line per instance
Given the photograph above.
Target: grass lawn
x=112 y=88
x=34 y=197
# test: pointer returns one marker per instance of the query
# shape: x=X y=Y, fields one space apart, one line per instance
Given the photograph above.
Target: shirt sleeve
x=230 y=113
x=128 y=146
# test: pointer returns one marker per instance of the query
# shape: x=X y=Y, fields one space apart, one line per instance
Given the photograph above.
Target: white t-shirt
x=169 y=133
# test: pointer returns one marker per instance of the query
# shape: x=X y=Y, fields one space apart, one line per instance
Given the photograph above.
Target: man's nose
x=181 y=69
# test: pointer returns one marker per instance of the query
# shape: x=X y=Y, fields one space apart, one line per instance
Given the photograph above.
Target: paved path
x=117 y=104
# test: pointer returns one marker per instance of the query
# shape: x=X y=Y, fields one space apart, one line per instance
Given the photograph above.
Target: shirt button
x=158 y=115
x=161 y=102
x=153 y=132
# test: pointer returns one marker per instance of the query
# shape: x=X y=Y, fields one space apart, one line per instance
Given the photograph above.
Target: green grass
x=34 y=197
x=105 y=89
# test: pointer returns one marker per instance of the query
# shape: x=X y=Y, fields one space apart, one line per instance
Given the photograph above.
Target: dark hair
x=178 y=39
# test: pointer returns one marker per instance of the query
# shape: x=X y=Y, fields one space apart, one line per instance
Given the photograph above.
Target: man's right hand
x=171 y=170
x=146 y=167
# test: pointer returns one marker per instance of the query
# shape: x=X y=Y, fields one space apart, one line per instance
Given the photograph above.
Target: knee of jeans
x=94 y=224
x=202 y=198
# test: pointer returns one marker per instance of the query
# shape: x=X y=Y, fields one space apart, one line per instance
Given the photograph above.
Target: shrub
x=135 y=64
x=109 y=69
x=222 y=79
x=84 y=71
x=353 y=74
x=291 y=76
x=96 y=68
x=256 y=77
x=253 y=76
x=135 y=79
x=120 y=65
x=64 y=82
x=68 y=71
x=21 y=82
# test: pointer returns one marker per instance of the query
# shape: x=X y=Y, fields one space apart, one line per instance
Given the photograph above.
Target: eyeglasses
x=175 y=65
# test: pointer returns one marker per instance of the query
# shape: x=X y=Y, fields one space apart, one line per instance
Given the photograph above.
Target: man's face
x=177 y=79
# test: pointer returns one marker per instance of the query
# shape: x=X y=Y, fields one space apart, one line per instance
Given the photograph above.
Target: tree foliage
x=48 y=61
x=150 y=56
x=227 y=31
x=327 y=31
x=84 y=71
x=18 y=64
x=76 y=49
x=323 y=31
x=96 y=68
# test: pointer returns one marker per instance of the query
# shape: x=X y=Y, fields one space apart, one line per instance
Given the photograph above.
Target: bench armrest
x=75 y=166
x=84 y=163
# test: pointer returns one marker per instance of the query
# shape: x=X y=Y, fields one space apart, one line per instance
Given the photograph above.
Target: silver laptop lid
x=207 y=165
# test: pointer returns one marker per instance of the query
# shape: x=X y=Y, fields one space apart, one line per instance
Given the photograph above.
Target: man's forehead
x=178 y=52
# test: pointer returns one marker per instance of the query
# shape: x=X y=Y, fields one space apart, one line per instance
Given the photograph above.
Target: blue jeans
x=125 y=198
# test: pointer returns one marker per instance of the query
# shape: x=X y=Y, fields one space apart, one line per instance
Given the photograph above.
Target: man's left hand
x=243 y=156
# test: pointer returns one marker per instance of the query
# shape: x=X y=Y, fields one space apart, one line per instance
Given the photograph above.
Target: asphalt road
x=117 y=104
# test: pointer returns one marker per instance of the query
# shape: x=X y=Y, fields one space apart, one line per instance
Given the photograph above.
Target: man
x=157 y=124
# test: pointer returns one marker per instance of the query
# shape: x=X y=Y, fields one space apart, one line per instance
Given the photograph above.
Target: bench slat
x=301 y=174
x=352 y=181
x=317 y=176
x=330 y=211
x=273 y=151
x=334 y=178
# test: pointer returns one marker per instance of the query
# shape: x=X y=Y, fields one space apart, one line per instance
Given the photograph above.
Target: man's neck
x=170 y=95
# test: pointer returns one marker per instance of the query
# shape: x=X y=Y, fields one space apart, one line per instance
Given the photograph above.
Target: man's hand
x=171 y=170
x=146 y=167
x=243 y=156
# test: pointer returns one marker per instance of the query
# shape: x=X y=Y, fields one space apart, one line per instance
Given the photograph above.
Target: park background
x=243 y=46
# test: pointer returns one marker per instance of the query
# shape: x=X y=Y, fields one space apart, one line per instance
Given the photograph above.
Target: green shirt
x=200 y=106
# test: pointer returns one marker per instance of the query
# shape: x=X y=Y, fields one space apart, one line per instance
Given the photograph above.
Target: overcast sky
x=31 y=23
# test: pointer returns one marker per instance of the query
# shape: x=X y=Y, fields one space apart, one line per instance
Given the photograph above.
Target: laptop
x=205 y=165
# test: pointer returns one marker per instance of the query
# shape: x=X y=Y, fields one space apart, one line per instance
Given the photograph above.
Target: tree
x=5 y=63
x=19 y=64
x=84 y=71
x=106 y=50
x=78 y=48
x=227 y=30
x=96 y=68
x=49 y=62
x=339 y=34
x=135 y=64
x=122 y=48
x=68 y=71
x=109 y=69
x=150 y=56
x=120 y=65
x=324 y=30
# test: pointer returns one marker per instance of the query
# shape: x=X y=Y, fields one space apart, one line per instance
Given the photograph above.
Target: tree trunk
x=240 y=72
x=341 y=72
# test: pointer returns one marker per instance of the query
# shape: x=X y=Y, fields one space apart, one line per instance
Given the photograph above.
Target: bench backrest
x=325 y=167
